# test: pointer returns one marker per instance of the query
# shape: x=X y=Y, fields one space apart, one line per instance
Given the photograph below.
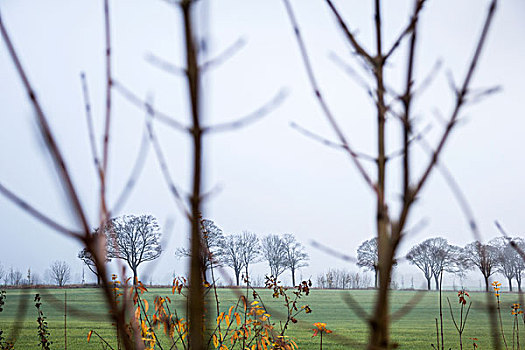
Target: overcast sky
x=272 y=179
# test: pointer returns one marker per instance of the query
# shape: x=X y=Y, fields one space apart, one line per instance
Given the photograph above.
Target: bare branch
x=456 y=191
x=351 y=72
x=333 y=252
x=223 y=56
x=135 y=172
x=179 y=201
x=46 y=132
x=250 y=118
x=36 y=213
x=427 y=81
x=357 y=47
x=323 y=104
x=89 y=119
x=327 y=142
x=108 y=90
x=511 y=241
x=460 y=99
x=137 y=101
x=165 y=65
x=408 y=29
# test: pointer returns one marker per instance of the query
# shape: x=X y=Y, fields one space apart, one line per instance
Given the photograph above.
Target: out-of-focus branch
x=179 y=201
x=89 y=119
x=326 y=142
x=46 y=132
x=223 y=56
x=460 y=99
x=511 y=242
x=356 y=46
x=134 y=174
x=324 y=106
x=250 y=118
x=36 y=213
x=352 y=73
x=165 y=65
x=137 y=101
x=408 y=29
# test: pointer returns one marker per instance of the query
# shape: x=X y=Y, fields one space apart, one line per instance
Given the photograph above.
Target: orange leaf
x=89 y=336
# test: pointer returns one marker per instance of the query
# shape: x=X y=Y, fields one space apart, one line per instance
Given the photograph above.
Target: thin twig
x=36 y=213
x=137 y=101
x=223 y=56
x=254 y=116
x=179 y=201
x=46 y=132
x=324 y=106
x=89 y=119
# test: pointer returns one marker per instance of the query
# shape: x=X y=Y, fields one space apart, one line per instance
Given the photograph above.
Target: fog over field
x=266 y=177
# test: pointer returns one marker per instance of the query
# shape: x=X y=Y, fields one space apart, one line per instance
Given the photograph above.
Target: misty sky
x=266 y=178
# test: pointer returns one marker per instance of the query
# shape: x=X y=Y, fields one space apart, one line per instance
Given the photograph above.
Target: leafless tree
x=2 y=272
x=391 y=105
x=134 y=239
x=272 y=248
x=60 y=273
x=296 y=256
x=433 y=256
x=212 y=238
x=87 y=258
x=482 y=256
x=232 y=254
x=509 y=263
x=251 y=251
x=239 y=251
x=367 y=257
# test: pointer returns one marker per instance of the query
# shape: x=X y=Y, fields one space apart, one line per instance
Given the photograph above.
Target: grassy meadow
x=415 y=330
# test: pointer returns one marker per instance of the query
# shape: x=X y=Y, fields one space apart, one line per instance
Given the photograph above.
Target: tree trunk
x=293 y=277
x=486 y=283
x=510 y=283
x=237 y=273
x=135 y=276
x=375 y=278
x=428 y=282
x=436 y=279
x=98 y=279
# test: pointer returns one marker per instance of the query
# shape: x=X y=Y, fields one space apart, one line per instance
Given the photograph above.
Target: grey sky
x=272 y=179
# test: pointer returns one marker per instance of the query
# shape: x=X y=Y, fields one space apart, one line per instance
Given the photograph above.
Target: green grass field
x=415 y=330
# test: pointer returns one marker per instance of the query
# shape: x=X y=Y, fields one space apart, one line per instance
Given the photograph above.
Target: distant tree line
x=342 y=279
x=435 y=256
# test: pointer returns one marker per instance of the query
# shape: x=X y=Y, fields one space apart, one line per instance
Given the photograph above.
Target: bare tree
x=509 y=263
x=484 y=257
x=433 y=256
x=296 y=257
x=367 y=257
x=60 y=273
x=231 y=253
x=251 y=251
x=391 y=105
x=134 y=239
x=238 y=251
x=2 y=272
x=272 y=247
x=212 y=238
x=87 y=258
x=519 y=262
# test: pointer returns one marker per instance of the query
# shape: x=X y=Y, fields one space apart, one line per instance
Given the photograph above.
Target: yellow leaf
x=227 y=318
x=146 y=305
x=238 y=318
x=89 y=336
x=137 y=313
x=215 y=341
x=230 y=311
